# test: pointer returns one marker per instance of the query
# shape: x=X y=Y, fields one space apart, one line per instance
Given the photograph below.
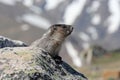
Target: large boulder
x=21 y=63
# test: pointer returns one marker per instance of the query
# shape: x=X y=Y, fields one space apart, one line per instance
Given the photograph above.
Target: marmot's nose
x=70 y=28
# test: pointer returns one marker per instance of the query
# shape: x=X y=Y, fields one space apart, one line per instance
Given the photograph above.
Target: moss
x=33 y=64
x=6 y=67
x=25 y=55
x=30 y=71
x=20 y=53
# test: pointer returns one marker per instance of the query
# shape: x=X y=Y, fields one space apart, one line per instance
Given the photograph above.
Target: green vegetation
x=109 y=61
x=109 y=58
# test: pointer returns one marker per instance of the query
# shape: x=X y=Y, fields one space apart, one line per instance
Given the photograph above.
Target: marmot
x=52 y=40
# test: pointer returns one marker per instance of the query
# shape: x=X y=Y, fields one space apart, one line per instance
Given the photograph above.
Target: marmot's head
x=59 y=31
x=52 y=40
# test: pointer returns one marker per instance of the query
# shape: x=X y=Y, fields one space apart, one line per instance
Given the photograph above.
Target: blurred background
x=94 y=46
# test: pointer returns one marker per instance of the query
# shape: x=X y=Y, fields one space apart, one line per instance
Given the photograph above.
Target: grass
x=107 y=62
x=111 y=58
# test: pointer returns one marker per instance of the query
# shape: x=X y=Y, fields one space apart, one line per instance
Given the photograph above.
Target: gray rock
x=6 y=42
x=26 y=63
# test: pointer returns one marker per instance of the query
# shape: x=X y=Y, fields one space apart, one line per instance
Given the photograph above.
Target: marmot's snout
x=70 y=29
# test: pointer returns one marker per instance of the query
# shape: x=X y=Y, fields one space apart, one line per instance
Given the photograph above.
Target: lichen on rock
x=39 y=67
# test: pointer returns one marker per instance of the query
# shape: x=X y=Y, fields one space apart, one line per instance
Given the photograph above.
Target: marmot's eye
x=64 y=26
x=54 y=28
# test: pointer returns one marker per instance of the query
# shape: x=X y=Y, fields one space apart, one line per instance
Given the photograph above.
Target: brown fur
x=52 y=40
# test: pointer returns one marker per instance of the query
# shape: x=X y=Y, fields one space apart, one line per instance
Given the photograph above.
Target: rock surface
x=20 y=63
x=6 y=42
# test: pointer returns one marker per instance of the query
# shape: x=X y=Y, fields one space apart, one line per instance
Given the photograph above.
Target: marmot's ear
x=54 y=27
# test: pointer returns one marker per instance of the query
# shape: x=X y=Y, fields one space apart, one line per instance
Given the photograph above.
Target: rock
x=6 y=42
x=39 y=61
x=34 y=67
